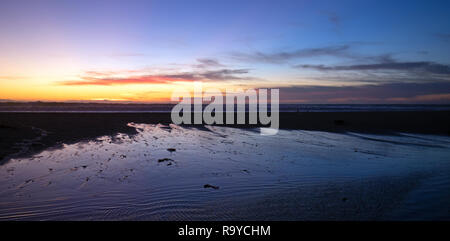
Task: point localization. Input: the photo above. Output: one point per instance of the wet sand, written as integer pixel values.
(24, 133)
(137, 166)
(220, 173)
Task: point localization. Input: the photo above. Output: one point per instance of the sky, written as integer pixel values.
(314, 51)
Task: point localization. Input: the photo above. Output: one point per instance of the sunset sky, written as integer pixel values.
(314, 51)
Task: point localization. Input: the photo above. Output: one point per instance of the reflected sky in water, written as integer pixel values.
(293, 175)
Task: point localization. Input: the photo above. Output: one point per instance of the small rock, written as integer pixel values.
(210, 186)
(171, 149)
(165, 160)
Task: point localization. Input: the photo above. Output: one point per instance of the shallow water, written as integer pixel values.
(294, 175)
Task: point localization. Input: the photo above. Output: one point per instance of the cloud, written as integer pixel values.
(108, 78)
(224, 74)
(383, 58)
(205, 63)
(423, 98)
(420, 67)
(283, 56)
(343, 51)
(438, 92)
(146, 79)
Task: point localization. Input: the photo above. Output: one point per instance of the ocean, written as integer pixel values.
(165, 108)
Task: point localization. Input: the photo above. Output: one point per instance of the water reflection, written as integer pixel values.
(161, 174)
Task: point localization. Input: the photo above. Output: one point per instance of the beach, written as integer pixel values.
(49, 129)
(139, 166)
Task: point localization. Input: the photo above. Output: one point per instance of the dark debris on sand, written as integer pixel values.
(168, 160)
(210, 186)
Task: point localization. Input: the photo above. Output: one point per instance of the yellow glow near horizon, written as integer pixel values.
(48, 89)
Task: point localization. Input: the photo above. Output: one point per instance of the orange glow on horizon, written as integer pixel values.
(130, 90)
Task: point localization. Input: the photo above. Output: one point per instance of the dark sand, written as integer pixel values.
(26, 133)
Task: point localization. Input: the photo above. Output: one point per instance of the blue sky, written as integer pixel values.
(294, 45)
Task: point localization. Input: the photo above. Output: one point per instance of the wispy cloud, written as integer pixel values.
(283, 56)
(438, 92)
(109, 78)
(445, 98)
(146, 79)
(208, 62)
(420, 67)
(225, 74)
